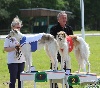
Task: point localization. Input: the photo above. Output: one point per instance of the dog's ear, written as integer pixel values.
(65, 34)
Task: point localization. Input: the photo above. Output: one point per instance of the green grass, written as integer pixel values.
(79, 32)
(42, 62)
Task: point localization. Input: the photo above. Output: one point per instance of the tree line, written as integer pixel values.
(10, 8)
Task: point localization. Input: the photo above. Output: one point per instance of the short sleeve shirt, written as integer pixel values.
(11, 56)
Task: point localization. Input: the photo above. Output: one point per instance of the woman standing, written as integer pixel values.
(15, 64)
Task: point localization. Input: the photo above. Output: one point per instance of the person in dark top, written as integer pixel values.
(61, 26)
(57, 28)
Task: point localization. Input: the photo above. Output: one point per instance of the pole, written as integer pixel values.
(82, 18)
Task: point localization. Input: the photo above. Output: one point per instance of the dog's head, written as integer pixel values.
(15, 33)
(61, 36)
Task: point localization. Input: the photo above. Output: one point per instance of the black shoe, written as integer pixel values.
(70, 86)
(56, 85)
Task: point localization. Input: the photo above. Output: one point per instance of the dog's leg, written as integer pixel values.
(51, 60)
(54, 64)
(68, 62)
(56, 61)
(28, 62)
(79, 57)
(85, 61)
(62, 59)
(29, 57)
(65, 61)
(80, 62)
(88, 66)
(79, 69)
(83, 65)
(84, 69)
(52, 53)
(26, 49)
(62, 63)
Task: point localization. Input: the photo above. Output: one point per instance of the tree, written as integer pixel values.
(92, 14)
(75, 20)
(10, 8)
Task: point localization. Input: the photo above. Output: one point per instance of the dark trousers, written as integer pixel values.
(15, 69)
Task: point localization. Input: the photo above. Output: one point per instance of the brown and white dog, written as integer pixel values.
(81, 50)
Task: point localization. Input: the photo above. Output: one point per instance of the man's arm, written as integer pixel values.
(69, 30)
(52, 31)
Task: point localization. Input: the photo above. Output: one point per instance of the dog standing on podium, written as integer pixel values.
(81, 50)
(29, 44)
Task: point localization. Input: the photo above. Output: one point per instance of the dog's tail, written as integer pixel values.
(84, 46)
(80, 39)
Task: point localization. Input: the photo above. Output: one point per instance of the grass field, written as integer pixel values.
(42, 62)
(86, 32)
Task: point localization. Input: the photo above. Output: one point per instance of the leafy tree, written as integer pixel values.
(10, 8)
(92, 14)
(75, 20)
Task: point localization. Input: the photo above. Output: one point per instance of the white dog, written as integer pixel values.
(63, 50)
(81, 50)
(35, 42)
